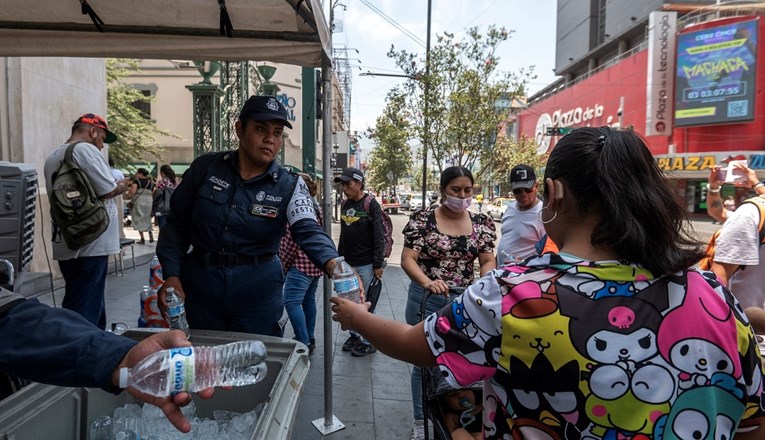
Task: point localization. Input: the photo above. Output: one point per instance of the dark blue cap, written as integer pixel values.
(264, 108)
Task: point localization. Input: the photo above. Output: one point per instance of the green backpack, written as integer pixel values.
(79, 216)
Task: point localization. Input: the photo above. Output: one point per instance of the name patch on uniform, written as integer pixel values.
(264, 210)
(219, 182)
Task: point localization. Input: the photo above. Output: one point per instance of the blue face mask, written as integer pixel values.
(456, 204)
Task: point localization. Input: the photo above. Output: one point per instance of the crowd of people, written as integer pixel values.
(590, 319)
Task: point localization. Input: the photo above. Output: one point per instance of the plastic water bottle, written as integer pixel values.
(345, 281)
(145, 297)
(167, 372)
(176, 311)
(155, 274)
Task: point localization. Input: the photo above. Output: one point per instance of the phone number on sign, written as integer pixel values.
(729, 90)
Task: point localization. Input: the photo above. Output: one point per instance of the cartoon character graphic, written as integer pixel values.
(617, 330)
(554, 401)
(629, 391)
(691, 419)
(695, 337)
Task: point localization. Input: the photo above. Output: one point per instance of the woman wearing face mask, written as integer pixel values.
(440, 249)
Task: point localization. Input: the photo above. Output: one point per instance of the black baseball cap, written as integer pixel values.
(522, 176)
(349, 174)
(264, 108)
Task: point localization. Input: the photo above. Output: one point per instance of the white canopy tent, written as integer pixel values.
(279, 31)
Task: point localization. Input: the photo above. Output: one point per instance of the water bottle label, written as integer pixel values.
(175, 310)
(182, 369)
(346, 285)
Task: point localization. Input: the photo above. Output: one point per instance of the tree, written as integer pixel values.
(509, 153)
(392, 158)
(467, 99)
(135, 129)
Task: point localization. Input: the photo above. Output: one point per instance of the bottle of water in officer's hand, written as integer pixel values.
(192, 369)
(176, 312)
(346, 282)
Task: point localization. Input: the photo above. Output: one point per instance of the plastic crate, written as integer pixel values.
(47, 412)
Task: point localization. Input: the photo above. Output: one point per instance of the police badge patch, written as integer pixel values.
(273, 104)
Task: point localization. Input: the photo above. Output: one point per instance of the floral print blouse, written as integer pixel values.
(448, 257)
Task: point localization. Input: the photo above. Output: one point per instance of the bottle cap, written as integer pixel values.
(123, 377)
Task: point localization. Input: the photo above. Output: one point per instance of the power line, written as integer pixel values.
(480, 13)
(393, 22)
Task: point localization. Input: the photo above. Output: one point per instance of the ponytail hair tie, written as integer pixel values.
(602, 139)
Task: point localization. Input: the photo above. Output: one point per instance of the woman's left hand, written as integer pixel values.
(346, 312)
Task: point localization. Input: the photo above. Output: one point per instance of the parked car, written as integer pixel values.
(405, 201)
(415, 203)
(497, 207)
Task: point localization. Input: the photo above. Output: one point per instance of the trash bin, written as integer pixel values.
(44, 411)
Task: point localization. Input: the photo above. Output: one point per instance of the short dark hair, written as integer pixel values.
(612, 173)
(451, 173)
(143, 171)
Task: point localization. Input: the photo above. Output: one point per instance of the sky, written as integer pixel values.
(360, 27)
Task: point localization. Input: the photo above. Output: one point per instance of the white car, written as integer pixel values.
(497, 207)
(415, 203)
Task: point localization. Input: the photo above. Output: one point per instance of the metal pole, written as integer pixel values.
(426, 138)
(329, 423)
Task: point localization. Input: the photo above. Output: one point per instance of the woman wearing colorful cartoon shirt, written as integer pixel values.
(614, 336)
(441, 246)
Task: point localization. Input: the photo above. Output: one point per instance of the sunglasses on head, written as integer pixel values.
(522, 190)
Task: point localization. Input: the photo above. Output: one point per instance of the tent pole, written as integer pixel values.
(329, 423)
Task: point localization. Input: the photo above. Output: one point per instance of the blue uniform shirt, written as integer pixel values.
(58, 346)
(215, 210)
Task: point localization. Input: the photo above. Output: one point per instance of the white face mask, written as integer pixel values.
(456, 204)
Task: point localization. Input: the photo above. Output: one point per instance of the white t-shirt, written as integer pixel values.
(89, 159)
(521, 230)
(739, 243)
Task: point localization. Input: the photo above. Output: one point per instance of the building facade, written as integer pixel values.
(711, 105)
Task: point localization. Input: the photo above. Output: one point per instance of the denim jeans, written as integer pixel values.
(367, 273)
(85, 279)
(300, 302)
(413, 304)
(247, 299)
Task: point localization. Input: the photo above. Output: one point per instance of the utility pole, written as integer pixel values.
(426, 138)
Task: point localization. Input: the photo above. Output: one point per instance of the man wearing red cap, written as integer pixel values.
(84, 269)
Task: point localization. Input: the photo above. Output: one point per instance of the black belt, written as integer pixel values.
(227, 259)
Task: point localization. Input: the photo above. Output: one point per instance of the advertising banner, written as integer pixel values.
(660, 81)
(716, 75)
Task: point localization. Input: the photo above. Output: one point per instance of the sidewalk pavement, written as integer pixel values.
(371, 394)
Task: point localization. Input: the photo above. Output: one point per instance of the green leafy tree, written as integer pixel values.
(135, 129)
(391, 160)
(468, 96)
(509, 153)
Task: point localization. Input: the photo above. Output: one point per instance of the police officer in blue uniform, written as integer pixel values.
(60, 347)
(233, 208)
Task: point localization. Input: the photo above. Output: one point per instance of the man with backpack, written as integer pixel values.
(362, 241)
(81, 190)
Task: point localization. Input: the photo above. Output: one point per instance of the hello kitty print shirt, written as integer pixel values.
(573, 349)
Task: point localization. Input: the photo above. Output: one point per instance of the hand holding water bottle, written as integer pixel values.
(171, 406)
(175, 283)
